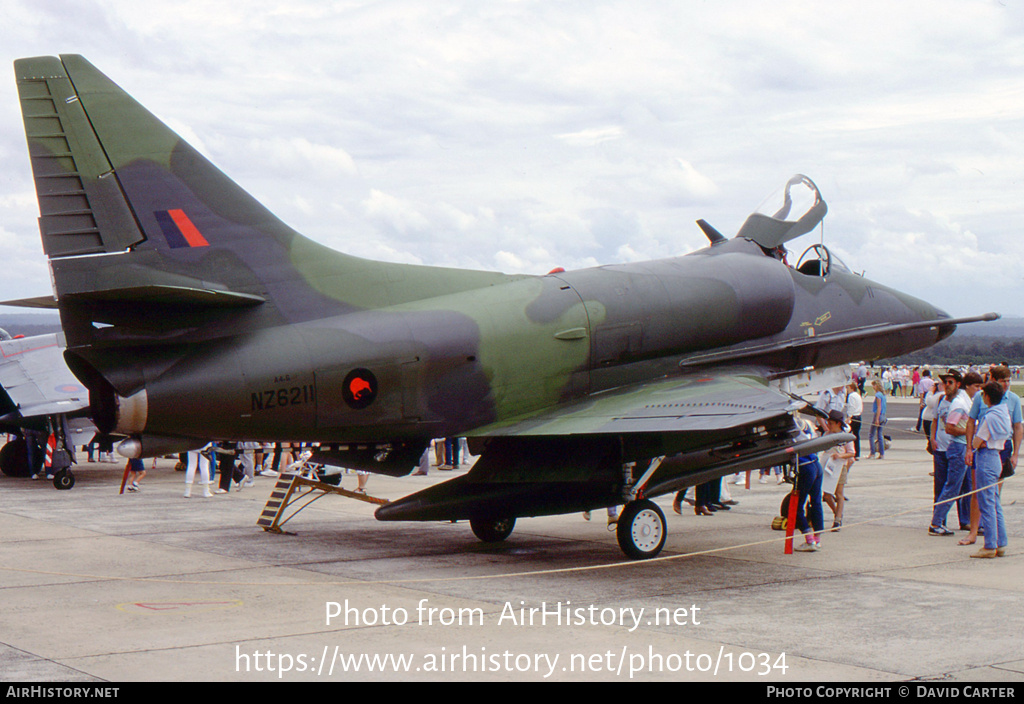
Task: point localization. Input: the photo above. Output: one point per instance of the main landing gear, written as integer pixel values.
(641, 529)
(14, 455)
(64, 479)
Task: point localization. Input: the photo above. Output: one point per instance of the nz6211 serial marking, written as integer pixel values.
(280, 398)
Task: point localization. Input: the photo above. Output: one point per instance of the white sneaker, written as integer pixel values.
(807, 547)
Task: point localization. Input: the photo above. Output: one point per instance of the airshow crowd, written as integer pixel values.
(972, 421)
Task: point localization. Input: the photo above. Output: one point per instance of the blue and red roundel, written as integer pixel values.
(178, 229)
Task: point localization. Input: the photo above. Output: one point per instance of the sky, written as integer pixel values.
(524, 135)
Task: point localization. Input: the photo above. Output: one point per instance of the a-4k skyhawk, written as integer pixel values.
(192, 313)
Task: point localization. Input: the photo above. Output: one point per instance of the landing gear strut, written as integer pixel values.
(641, 529)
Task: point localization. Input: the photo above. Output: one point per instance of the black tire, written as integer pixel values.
(63, 480)
(492, 530)
(14, 459)
(641, 529)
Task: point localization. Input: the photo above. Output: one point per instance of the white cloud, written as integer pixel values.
(394, 213)
(297, 156)
(592, 136)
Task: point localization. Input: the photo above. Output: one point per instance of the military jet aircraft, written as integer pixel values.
(39, 393)
(191, 312)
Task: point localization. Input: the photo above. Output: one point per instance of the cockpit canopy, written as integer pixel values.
(818, 260)
(794, 210)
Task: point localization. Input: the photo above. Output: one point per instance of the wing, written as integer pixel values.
(36, 380)
(665, 434)
(721, 399)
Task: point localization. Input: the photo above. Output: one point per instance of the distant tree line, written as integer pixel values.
(967, 350)
(32, 331)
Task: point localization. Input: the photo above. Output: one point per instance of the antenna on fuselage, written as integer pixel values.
(713, 235)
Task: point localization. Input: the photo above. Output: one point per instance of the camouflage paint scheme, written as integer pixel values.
(193, 313)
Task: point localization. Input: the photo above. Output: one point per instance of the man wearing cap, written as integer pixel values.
(949, 445)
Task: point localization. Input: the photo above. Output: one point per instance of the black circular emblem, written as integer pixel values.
(360, 388)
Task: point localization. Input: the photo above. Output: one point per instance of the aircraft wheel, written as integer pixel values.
(641, 529)
(492, 530)
(64, 479)
(14, 459)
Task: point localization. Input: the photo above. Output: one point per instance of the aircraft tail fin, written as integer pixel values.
(113, 179)
(146, 237)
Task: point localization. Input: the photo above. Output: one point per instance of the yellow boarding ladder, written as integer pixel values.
(288, 494)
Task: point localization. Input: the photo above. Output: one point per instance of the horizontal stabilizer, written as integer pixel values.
(48, 302)
(171, 295)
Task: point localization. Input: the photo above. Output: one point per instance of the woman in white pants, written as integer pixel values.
(196, 459)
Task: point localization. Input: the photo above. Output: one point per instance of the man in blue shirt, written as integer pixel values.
(1011, 450)
(949, 444)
